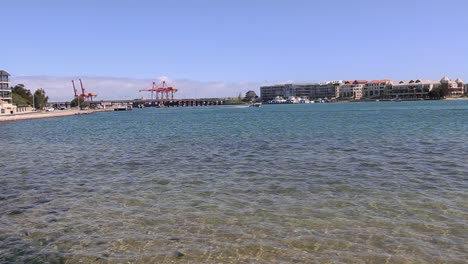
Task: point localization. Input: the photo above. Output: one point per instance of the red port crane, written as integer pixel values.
(162, 92)
(152, 90)
(74, 89)
(83, 94)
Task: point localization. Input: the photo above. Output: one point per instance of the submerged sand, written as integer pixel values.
(43, 114)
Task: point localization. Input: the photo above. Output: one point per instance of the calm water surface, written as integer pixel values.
(320, 183)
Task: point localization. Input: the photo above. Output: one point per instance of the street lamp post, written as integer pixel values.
(32, 99)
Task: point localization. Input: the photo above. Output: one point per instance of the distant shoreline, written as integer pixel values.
(42, 114)
(61, 113)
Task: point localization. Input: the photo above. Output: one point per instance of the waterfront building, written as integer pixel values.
(302, 90)
(377, 89)
(6, 99)
(268, 93)
(351, 90)
(306, 90)
(345, 91)
(413, 89)
(360, 89)
(455, 88)
(328, 89)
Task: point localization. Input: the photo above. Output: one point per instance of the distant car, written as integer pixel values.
(50, 109)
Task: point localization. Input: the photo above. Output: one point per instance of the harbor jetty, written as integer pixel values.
(140, 103)
(178, 102)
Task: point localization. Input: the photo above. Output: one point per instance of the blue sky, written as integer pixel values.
(234, 42)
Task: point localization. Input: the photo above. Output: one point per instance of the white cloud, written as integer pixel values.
(111, 88)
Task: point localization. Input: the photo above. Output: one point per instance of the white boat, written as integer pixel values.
(123, 107)
(292, 100)
(278, 100)
(255, 105)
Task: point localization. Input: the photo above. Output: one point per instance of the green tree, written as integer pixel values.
(40, 99)
(79, 102)
(444, 91)
(439, 92)
(21, 95)
(250, 96)
(19, 100)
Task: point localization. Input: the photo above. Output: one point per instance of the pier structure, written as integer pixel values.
(178, 102)
(140, 103)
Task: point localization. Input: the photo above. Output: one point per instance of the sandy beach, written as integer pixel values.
(43, 114)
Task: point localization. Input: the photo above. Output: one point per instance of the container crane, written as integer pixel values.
(152, 90)
(74, 89)
(162, 92)
(85, 95)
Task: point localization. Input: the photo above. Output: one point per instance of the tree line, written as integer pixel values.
(23, 97)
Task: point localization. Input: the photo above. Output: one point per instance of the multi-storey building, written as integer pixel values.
(351, 90)
(302, 90)
(359, 89)
(345, 91)
(6, 99)
(268, 93)
(413, 89)
(454, 88)
(377, 89)
(328, 89)
(306, 90)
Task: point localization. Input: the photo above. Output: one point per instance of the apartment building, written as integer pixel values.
(377, 89)
(303, 90)
(6, 99)
(351, 90)
(362, 89)
(327, 89)
(270, 92)
(454, 88)
(413, 89)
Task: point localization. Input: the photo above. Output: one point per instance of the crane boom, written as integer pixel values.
(83, 93)
(74, 88)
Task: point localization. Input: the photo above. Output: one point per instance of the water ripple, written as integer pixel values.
(338, 183)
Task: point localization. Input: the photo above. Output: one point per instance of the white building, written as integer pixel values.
(303, 90)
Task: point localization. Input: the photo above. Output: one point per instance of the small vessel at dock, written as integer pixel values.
(123, 107)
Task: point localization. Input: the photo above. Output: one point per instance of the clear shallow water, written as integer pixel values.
(332, 183)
